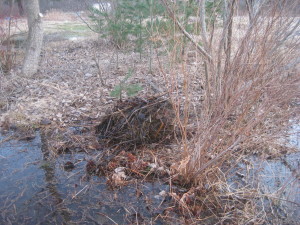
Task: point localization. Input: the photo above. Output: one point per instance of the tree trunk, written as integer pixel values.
(203, 22)
(253, 7)
(35, 37)
(20, 6)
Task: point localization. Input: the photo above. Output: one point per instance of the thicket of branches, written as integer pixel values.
(249, 75)
(251, 90)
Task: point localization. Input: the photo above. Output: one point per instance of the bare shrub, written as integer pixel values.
(7, 51)
(251, 89)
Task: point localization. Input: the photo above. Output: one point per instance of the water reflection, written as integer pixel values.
(51, 182)
(35, 189)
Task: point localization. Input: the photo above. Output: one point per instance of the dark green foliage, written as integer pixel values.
(132, 25)
(130, 89)
(124, 24)
(115, 26)
(214, 9)
(129, 23)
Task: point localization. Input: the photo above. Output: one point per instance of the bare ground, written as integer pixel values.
(68, 85)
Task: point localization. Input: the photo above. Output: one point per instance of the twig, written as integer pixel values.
(153, 86)
(107, 217)
(80, 191)
(96, 60)
(6, 139)
(59, 89)
(87, 23)
(218, 157)
(202, 22)
(200, 49)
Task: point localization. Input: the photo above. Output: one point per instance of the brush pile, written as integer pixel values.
(138, 121)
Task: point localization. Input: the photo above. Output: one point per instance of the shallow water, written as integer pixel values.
(277, 180)
(294, 138)
(36, 190)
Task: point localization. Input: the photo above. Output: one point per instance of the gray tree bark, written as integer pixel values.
(35, 37)
(253, 7)
(203, 22)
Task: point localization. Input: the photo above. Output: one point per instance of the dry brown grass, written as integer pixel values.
(57, 15)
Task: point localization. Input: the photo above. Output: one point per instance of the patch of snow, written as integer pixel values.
(73, 38)
(102, 6)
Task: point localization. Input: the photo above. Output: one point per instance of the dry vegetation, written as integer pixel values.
(236, 94)
(251, 94)
(251, 99)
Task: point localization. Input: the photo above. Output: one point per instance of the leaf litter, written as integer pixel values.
(89, 134)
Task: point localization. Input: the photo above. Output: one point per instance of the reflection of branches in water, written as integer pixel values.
(51, 182)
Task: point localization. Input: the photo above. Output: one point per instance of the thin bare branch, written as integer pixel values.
(202, 15)
(178, 24)
(86, 23)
